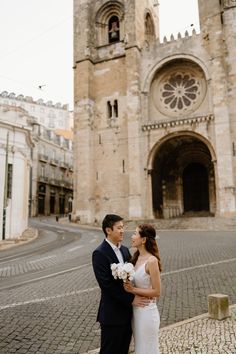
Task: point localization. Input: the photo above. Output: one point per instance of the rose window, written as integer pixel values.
(180, 91)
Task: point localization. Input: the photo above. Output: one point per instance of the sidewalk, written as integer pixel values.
(198, 335)
(28, 235)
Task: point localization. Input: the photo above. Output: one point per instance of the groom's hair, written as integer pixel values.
(109, 221)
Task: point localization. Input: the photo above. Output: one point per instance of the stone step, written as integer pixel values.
(188, 223)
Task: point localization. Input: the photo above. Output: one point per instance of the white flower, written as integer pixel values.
(113, 266)
(122, 271)
(128, 267)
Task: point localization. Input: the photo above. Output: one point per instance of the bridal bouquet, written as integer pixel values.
(122, 271)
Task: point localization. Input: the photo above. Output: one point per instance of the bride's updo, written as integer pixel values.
(148, 231)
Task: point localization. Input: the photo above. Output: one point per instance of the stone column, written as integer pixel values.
(83, 142)
(133, 125)
(226, 205)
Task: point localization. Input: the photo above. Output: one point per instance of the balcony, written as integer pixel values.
(54, 182)
(64, 165)
(54, 162)
(43, 157)
(43, 179)
(69, 184)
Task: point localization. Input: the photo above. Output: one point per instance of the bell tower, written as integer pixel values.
(108, 41)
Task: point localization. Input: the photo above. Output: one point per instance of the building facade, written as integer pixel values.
(16, 145)
(154, 122)
(51, 116)
(52, 172)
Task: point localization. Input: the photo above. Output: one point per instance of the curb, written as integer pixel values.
(28, 235)
(170, 327)
(189, 320)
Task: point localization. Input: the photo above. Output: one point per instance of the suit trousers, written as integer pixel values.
(115, 339)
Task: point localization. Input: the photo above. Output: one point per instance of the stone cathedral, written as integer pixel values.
(155, 121)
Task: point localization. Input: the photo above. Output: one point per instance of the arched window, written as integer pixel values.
(114, 29)
(110, 23)
(149, 26)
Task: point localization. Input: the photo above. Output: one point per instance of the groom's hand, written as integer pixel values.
(140, 301)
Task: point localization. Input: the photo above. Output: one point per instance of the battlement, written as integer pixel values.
(176, 37)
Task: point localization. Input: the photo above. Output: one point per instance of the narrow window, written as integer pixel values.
(99, 139)
(42, 171)
(221, 18)
(109, 109)
(149, 26)
(116, 108)
(9, 181)
(123, 165)
(113, 29)
(233, 148)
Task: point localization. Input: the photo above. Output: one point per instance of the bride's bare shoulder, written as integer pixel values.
(152, 260)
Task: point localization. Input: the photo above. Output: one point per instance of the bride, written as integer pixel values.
(146, 320)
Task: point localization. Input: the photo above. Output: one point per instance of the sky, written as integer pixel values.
(36, 44)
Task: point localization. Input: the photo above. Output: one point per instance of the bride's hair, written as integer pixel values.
(148, 231)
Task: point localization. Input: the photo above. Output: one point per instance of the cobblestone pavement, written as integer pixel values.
(200, 335)
(57, 315)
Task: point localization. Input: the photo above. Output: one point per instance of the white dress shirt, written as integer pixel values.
(117, 251)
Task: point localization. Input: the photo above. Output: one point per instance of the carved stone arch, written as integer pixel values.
(170, 136)
(183, 177)
(112, 11)
(159, 65)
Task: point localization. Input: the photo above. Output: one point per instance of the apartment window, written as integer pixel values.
(53, 173)
(42, 172)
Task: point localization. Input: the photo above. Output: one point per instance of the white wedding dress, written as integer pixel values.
(146, 320)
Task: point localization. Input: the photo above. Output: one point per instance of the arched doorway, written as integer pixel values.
(195, 188)
(183, 179)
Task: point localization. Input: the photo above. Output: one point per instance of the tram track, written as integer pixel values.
(59, 239)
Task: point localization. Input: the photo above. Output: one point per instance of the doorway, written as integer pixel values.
(195, 188)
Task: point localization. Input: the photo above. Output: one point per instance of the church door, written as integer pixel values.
(195, 188)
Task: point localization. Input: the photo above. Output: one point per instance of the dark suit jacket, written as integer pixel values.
(115, 306)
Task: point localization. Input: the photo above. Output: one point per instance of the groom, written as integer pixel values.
(115, 308)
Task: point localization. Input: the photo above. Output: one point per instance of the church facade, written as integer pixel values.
(154, 122)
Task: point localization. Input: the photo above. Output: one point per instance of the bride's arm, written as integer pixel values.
(153, 270)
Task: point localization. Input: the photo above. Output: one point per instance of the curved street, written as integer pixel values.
(49, 296)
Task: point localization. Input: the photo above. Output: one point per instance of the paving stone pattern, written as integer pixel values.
(58, 315)
(201, 336)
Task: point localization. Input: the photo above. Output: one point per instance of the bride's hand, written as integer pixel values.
(128, 286)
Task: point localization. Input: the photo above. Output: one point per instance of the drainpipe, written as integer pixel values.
(31, 183)
(5, 191)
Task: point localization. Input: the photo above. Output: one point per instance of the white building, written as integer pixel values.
(51, 190)
(15, 161)
(51, 116)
